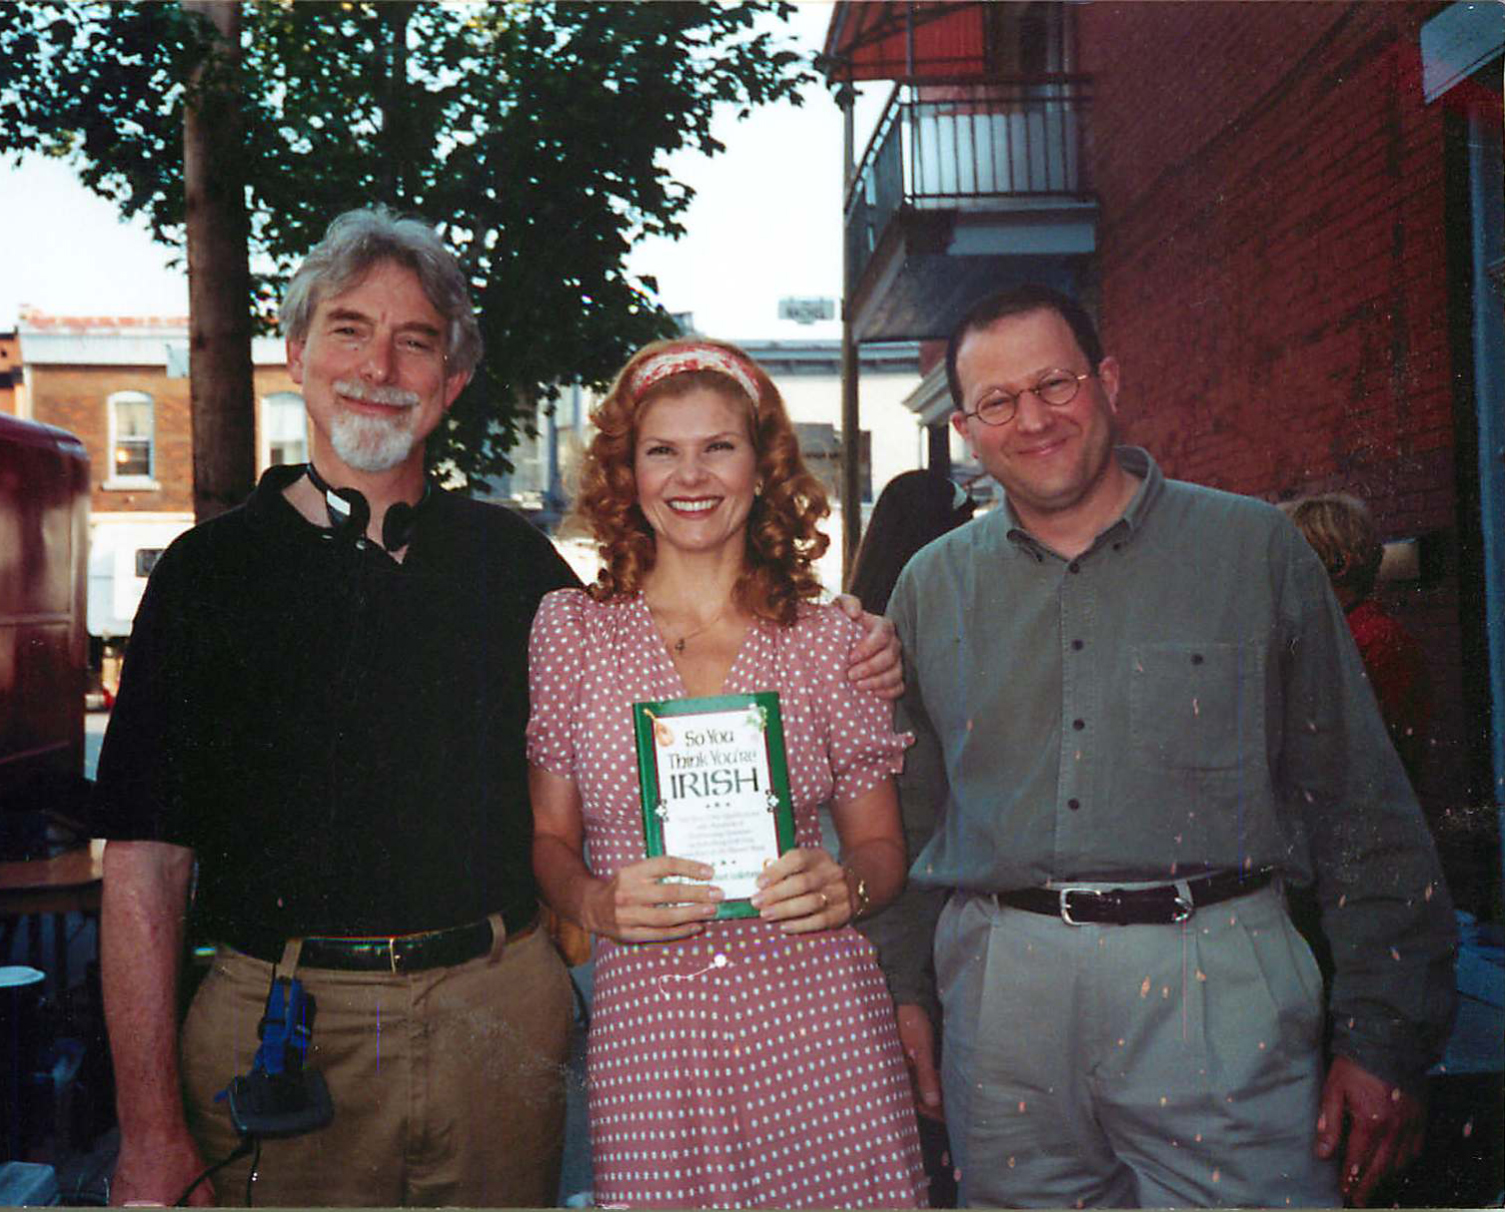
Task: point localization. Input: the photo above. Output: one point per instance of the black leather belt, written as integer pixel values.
(416, 952)
(1161, 905)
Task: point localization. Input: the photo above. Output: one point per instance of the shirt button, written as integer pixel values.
(360, 544)
(1079, 724)
(1074, 567)
(1073, 804)
(1196, 658)
(1076, 645)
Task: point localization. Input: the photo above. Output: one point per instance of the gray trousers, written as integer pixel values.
(1132, 1066)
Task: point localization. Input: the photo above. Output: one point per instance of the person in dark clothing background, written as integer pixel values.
(914, 508)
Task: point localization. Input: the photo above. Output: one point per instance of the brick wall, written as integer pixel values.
(1273, 270)
(10, 372)
(75, 398)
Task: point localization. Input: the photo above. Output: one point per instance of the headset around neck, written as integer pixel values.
(350, 512)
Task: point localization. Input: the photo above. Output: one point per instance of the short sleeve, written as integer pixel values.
(150, 778)
(864, 749)
(555, 671)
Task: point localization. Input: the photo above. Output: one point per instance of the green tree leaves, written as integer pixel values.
(534, 135)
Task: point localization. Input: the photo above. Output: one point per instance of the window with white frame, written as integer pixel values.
(132, 426)
(284, 429)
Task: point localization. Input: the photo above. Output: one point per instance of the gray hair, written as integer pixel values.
(359, 239)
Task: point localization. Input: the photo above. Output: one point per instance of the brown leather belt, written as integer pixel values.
(416, 952)
(1160, 905)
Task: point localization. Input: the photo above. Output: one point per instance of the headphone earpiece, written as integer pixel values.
(350, 513)
(397, 526)
(351, 521)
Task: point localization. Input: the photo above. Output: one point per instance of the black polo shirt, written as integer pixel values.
(337, 736)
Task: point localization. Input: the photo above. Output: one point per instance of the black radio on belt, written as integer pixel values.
(280, 1097)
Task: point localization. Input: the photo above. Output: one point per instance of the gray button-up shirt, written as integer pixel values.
(1183, 697)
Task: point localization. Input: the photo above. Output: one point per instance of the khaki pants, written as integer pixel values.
(448, 1085)
(1132, 1066)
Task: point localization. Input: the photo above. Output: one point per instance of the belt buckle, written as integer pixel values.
(1184, 908)
(1066, 908)
(392, 954)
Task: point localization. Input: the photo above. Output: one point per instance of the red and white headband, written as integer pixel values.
(693, 357)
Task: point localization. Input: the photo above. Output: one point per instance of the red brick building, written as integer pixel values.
(1282, 266)
(10, 371)
(1287, 220)
(120, 384)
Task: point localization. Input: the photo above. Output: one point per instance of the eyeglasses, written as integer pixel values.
(1056, 388)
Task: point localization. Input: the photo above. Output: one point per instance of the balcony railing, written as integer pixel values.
(950, 147)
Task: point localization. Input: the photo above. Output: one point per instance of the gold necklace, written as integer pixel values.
(679, 644)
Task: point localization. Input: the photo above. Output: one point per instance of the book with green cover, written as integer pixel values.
(714, 782)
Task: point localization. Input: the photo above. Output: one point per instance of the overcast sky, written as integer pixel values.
(766, 223)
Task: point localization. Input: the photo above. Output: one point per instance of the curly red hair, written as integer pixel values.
(782, 540)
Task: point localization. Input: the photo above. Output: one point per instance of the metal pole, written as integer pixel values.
(1484, 155)
(553, 501)
(851, 435)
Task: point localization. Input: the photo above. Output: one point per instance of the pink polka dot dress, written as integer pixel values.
(743, 1068)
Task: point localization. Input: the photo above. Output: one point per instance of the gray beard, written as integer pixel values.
(371, 444)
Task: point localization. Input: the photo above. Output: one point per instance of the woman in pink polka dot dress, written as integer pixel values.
(746, 1062)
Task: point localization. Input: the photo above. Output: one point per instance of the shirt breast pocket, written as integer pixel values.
(1196, 706)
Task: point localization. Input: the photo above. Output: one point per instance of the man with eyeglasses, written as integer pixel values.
(1138, 714)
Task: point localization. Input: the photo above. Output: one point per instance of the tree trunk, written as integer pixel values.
(219, 274)
(396, 120)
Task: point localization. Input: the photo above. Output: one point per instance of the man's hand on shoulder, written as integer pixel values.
(1378, 1126)
(876, 664)
(157, 1171)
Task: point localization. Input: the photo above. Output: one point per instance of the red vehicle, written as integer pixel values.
(44, 539)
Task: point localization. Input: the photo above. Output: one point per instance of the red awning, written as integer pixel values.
(878, 40)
